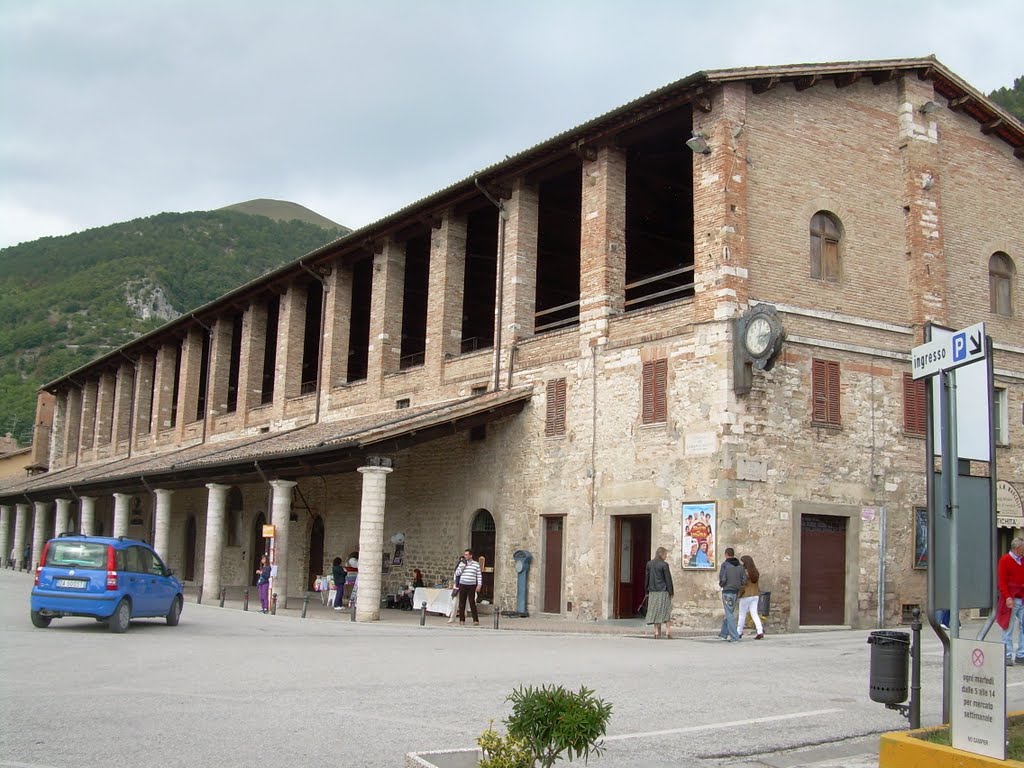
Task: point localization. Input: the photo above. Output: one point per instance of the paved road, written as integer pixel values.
(228, 688)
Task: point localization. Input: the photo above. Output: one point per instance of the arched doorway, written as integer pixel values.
(258, 546)
(316, 551)
(482, 536)
(188, 573)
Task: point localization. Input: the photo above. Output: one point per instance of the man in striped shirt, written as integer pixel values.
(468, 578)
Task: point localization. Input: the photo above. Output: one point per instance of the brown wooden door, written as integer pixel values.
(553, 564)
(822, 570)
(632, 551)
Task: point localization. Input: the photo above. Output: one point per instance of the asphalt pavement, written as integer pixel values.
(234, 688)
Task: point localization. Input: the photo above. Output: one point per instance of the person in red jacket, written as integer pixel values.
(1010, 577)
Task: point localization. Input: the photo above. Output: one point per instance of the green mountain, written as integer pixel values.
(66, 300)
(1011, 99)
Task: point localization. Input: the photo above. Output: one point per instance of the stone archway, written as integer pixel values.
(316, 551)
(258, 545)
(482, 536)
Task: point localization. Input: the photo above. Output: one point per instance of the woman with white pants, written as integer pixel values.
(749, 598)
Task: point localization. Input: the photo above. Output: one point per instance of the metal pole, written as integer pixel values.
(915, 671)
(273, 604)
(199, 595)
(423, 614)
(305, 605)
(352, 605)
(497, 613)
(954, 512)
(223, 594)
(245, 601)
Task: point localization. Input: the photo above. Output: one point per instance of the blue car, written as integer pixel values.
(111, 580)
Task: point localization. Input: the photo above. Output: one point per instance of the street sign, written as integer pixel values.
(962, 348)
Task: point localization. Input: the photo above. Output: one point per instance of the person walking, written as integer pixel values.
(263, 584)
(659, 594)
(338, 577)
(731, 578)
(469, 579)
(1010, 578)
(749, 598)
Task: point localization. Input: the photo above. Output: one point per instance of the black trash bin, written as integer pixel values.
(764, 603)
(890, 657)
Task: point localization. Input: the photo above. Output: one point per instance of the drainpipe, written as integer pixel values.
(320, 341)
(498, 319)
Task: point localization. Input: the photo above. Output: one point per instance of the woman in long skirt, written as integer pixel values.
(659, 594)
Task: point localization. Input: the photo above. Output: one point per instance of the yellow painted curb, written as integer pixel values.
(900, 749)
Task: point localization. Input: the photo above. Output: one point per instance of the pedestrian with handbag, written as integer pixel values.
(659, 594)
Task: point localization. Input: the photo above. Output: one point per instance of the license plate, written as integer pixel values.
(71, 583)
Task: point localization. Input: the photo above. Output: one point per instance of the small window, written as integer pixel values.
(825, 393)
(915, 406)
(1000, 282)
(655, 391)
(1000, 417)
(555, 420)
(403, 403)
(825, 236)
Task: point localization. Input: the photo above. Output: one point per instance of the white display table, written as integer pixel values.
(437, 600)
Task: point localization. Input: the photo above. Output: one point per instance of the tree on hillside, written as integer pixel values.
(1011, 99)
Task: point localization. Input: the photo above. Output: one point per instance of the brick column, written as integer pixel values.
(39, 538)
(216, 503)
(250, 367)
(88, 513)
(163, 389)
(220, 366)
(371, 541)
(57, 436)
(122, 502)
(162, 522)
(6, 516)
(124, 392)
(145, 374)
(281, 513)
(337, 324)
(73, 428)
(188, 381)
(386, 314)
(87, 439)
(62, 519)
(445, 293)
(291, 330)
(925, 246)
(602, 244)
(520, 295)
(720, 205)
(105, 409)
(21, 512)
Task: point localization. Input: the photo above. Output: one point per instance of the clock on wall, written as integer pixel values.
(761, 335)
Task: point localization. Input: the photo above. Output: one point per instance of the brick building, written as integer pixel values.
(547, 357)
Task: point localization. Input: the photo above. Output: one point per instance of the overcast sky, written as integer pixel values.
(112, 110)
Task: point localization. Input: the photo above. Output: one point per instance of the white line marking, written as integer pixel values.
(715, 726)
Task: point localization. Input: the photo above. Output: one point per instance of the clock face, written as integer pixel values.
(758, 336)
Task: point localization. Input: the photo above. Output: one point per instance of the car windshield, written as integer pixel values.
(77, 554)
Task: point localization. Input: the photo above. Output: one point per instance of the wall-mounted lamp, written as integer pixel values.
(928, 107)
(698, 143)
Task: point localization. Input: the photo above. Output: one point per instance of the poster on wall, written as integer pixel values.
(699, 535)
(920, 537)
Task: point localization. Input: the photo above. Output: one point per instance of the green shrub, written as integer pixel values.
(547, 723)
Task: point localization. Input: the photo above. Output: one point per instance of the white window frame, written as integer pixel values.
(1000, 416)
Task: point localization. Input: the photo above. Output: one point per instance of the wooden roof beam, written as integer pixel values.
(763, 86)
(959, 103)
(803, 83)
(846, 80)
(992, 125)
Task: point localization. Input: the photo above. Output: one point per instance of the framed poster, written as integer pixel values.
(920, 537)
(699, 520)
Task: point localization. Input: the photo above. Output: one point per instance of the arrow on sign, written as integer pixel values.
(976, 342)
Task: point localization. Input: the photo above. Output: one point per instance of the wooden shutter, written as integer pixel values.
(825, 392)
(830, 260)
(655, 391)
(555, 419)
(915, 405)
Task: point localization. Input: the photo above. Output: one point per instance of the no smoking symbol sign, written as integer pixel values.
(977, 657)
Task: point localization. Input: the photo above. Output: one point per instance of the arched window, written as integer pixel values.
(826, 232)
(1000, 284)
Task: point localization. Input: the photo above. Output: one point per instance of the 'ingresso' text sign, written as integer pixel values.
(963, 347)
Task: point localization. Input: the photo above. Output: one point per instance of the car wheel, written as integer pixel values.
(40, 621)
(121, 617)
(174, 613)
